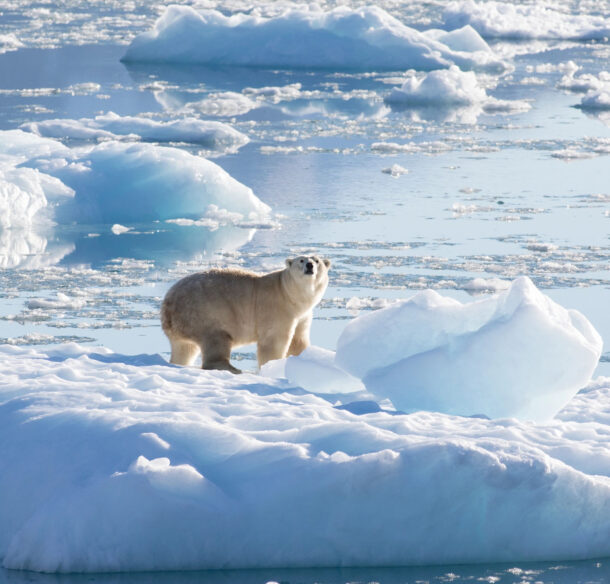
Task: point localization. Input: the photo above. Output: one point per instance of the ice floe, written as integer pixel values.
(494, 19)
(113, 182)
(244, 471)
(110, 126)
(450, 87)
(515, 354)
(343, 37)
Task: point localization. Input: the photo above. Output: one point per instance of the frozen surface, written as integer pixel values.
(517, 354)
(525, 21)
(449, 87)
(114, 182)
(109, 126)
(314, 370)
(98, 448)
(343, 37)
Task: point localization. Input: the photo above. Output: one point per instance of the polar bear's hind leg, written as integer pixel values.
(183, 351)
(216, 349)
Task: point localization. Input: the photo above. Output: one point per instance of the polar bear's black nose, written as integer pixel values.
(309, 268)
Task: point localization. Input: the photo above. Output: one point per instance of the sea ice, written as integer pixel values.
(517, 354)
(110, 126)
(361, 38)
(121, 463)
(494, 19)
(450, 88)
(113, 182)
(314, 370)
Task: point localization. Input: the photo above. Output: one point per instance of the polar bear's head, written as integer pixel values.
(308, 276)
(309, 267)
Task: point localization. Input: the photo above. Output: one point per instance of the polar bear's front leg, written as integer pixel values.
(300, 339)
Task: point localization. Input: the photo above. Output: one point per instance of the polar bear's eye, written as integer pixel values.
(315, 260)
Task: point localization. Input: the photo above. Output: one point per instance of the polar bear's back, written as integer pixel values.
(218, 298)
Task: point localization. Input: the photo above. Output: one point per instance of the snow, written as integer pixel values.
(113, 182)
(342, 37)
(120, 463)
(110, 126)
(494, 19)
(517, 354)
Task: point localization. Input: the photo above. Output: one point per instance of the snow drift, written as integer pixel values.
(117, 463)
(112, 182)
(362, 38)
(517, 354)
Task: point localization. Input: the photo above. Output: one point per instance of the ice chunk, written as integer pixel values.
(366, 37)
(516, 354)
(210, 134)
(525, 21)
(314, 370)
(597, 99)
(450, 88)
(465, 39)
(141, 182)
(113, 182)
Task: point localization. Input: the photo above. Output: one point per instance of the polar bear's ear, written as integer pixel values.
(288, 262)
(327, 263)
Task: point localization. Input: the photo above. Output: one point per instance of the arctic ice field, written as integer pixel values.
(451, 420)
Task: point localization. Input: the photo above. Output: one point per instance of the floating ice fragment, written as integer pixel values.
(361, 38)
(494, 19)
(516, 354)
(450, 88)
(395, 170)
(211, 134)
(118, 229)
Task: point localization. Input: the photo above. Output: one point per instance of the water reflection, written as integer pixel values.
(163, 243)
(590, 571)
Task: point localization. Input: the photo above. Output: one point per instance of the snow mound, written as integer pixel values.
(113, 182)
(515, 354)
(361, 38)
(110, 126)
(121, 463)
(450, 88)
(494, 19)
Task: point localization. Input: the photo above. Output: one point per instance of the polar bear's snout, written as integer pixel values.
(309, 267)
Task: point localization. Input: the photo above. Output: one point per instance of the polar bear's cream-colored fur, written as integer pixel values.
(217, 310)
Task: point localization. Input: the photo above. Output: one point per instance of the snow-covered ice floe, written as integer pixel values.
(118, 463)
(112, 182)
(361, 38)
(494, 19)
(110, 126)
(515, 354)
(450, 88)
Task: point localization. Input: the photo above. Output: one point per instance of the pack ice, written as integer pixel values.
(361, 38)
(116, 463)
(517, 354)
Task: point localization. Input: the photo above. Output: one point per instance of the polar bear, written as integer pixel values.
(217, 310)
